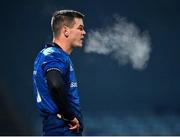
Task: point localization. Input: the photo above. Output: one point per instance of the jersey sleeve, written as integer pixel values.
(55, 61)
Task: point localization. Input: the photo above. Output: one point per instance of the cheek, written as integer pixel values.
(72, 36)
(75, 36)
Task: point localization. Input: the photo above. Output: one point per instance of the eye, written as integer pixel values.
(81, 28)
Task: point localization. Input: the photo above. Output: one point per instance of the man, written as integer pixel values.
(54, 80)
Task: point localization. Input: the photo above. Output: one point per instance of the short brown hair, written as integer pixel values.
(63, 17)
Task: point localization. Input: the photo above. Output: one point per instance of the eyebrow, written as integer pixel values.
(81, 26)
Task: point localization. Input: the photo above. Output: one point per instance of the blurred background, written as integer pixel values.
(116, 99)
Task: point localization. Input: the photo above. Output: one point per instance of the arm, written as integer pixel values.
(56, 86)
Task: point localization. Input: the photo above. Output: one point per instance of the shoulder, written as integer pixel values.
(54, 58)
(50, 51)
(54, 52)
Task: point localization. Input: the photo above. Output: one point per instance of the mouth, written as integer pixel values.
(82, 39)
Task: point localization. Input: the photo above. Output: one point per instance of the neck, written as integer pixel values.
(63, 45)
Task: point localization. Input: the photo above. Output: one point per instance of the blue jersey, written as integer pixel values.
(52, 57)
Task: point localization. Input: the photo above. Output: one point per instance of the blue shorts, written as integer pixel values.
(54, 126)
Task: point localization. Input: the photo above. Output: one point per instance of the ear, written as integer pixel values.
(66, 31)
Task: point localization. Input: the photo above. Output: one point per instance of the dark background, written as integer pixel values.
(116, 100)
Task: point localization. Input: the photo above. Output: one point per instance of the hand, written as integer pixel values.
(74, 124)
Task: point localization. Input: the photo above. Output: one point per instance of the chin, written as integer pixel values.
(78, 46)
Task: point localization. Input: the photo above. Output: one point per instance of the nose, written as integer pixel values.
(84, 32)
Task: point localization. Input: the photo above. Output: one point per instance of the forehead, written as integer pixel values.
(78, 22)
